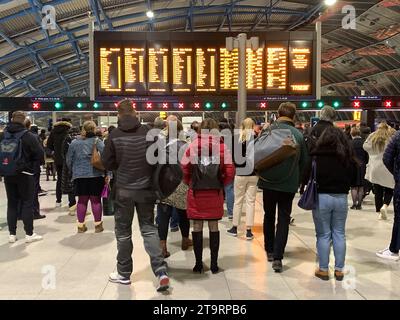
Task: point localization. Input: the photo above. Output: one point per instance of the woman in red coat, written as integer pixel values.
(207, 168)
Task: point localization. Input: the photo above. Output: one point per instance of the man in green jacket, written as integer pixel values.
(280, 183)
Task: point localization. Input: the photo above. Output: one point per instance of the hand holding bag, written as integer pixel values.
(309, 198)
(96, 158)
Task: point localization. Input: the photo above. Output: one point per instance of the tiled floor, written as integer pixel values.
(66, 265)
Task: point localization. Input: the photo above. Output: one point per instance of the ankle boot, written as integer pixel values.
(186, 243)
(214, 248)
(98, 227)
(198, 250)
(165, 252)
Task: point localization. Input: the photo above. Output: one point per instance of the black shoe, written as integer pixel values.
(249, 235)
(359, 207)
(277, 266)
(353, 207)
(198, 268)
(270, 257)
(232, 231)
(198, 251)
(39, 216)
(214, 248)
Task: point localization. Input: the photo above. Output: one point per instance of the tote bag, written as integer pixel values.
(96, 158)
(309, 199)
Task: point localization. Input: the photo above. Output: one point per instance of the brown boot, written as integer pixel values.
(98, 227)
(163, 244)
(82, 228)
(186, 243)
(323, 275)
(339, 275)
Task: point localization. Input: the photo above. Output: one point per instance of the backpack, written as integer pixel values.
(11, 157)
(206, 174)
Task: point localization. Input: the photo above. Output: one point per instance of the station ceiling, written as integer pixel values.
(37, 62)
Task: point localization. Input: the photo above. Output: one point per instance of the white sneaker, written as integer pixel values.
(58, 204)
(115, 277)
(12, 238)
(383, 213)
(387, 254)
(34, 237)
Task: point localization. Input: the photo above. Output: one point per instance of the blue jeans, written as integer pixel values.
(330, 220)
(174, 222)
(230, 198)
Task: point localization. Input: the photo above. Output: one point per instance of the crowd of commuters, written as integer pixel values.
(113, 172)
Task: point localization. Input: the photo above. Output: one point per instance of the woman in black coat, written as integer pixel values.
(357, 190)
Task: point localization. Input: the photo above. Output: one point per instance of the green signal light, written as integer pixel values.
(57, 105)
(208, 105)
(79, 105)
(336, 104)
(224, 105)
(96, 105)
(321, 104)
(304, 104)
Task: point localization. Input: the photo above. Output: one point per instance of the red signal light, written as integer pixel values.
(263, 105)
(180, 105)
(357, 104)
(36, 106)
(165, 105)
(388, 103)
(134, 105)
(116, 104)
(197, 105)
(149, 105)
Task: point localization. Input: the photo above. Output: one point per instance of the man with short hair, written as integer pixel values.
(125, 152)
(279, 184)
(20, 188)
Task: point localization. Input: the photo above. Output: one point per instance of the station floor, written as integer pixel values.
(67, 265)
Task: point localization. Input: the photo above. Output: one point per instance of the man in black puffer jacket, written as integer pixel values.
(58, 138)
(20, 187)
(125, 152)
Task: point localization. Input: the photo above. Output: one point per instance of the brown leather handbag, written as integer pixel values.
(96, 158)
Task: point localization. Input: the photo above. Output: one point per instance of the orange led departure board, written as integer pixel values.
(182, 69)
(158, 61)
(300, 67)
(254, 60)
(206, 72)
(134, 64)
(277, 69)
(110, 70)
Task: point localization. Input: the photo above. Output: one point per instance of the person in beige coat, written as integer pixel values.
(376, 172)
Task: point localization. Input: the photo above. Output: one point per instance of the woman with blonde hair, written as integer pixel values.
(88, 181)
(245, 181)
(376, 172)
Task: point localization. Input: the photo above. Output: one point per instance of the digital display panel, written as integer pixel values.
(158, 65)
(110, 70)
(300, 62)
(254, 60)
(182, 69)
(277, 69)
(134, 65)
(206, 69)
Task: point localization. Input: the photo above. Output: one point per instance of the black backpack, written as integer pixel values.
(11, 156)
(206, 174)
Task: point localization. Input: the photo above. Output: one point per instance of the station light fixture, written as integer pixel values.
(388, 104)
(58, 105)
(320, 104)
(330, 2)
(356, 104)
(305, 104)
(336, 104)
(150, 14)
(36, 105)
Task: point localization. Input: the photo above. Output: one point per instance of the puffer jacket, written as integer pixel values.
(125, 152)
(391, 159)
(207, 204)
(56, 140)
(376, 171)
(79, 157)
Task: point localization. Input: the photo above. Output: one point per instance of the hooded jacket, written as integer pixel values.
(125, 152)
(32, 152)
(57, 139)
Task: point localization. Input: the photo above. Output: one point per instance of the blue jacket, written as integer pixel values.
(79, 156)
(391, 158)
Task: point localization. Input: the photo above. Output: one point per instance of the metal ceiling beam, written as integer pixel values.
(95, 9)
(307, 17)
(267, 13)
(106, 18)
(189, 19)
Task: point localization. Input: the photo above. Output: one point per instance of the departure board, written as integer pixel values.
(158, 64)
(206, 72)
(229, 69)
(134, 64)
(254, 77)
(277, 69)
(300, 58)
(110, 70)
(182, 69)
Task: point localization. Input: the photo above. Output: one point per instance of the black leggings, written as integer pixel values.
(164, 218)
(383, 196)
